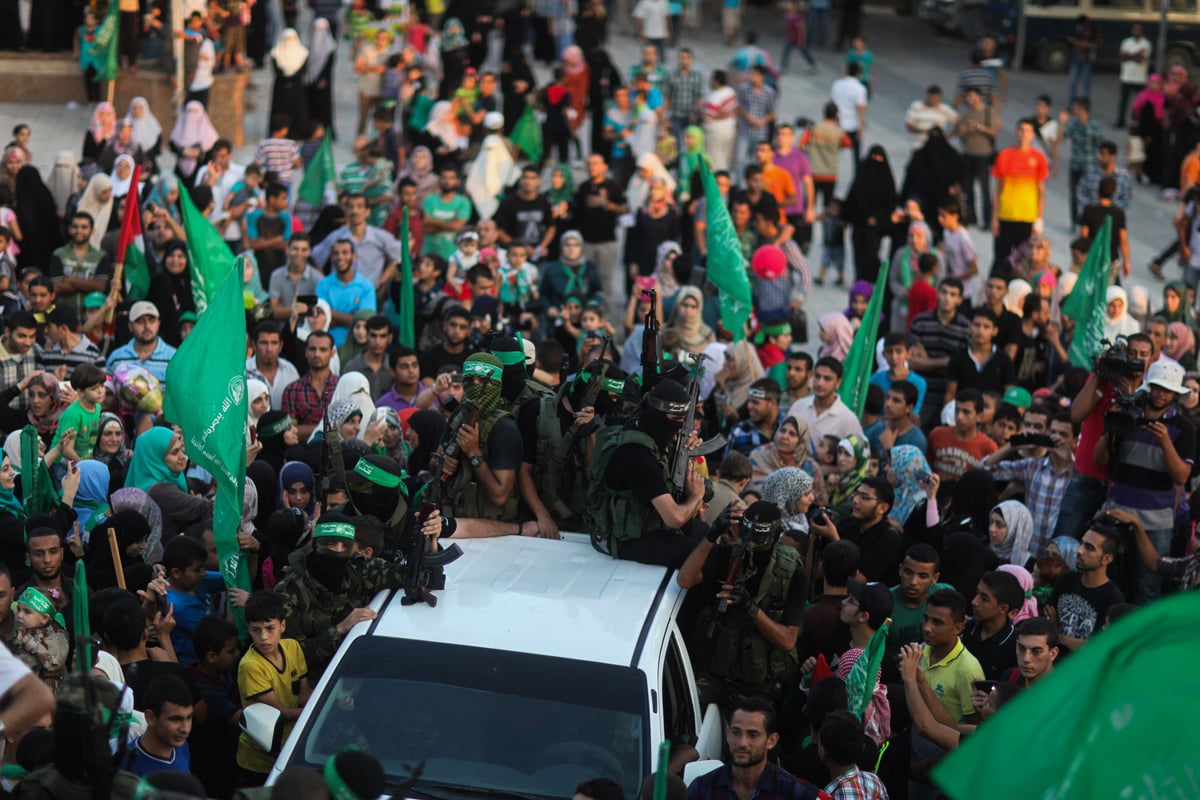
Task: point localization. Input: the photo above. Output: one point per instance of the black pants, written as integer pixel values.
(131, 36)
(91, 85)
(665, 549)
(1128, 90)
(865, 239)
(1074, 176)
(802, 235)
(979, 172)
(1012, 235)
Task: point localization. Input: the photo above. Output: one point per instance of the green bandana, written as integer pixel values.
(487, 370)
(614, 385)
(42, 605)
(508, 357)
(277, 428)
(337, 787)
(377, 475)
(334, 530)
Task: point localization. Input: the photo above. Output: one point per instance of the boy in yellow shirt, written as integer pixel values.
(274, 672)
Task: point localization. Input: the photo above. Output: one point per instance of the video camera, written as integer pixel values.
(1126, 415)
(1115, 363)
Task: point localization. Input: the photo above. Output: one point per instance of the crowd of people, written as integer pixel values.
(994, 501)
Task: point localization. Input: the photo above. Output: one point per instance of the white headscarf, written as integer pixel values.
(64, 179)
(441, 124)
(639, 187)
(1015, 547)
(254, 390)
(492, 171)
(91, 203)
(194, 127)
(1122, 324)
(323, 47)
(146, 129)
(121, 186)
(1014, 299)
(289, 53)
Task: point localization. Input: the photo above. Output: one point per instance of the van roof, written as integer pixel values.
(539, 596)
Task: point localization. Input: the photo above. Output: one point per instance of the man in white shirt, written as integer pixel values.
(931, 112)
(221, 174)
(653, 20)
(823, 410)
(850, 97)
(1135, 69)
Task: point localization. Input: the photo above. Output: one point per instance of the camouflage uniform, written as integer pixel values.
(313, 611)
(43, 650)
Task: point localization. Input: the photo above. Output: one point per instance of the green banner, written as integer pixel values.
(726, 264)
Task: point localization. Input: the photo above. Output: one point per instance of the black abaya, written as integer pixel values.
(605, 79)
(515, 68)
(37, 214)
(320, 100)
(868, 209)
(289, 96)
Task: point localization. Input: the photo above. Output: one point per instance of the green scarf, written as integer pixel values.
(690, 160)
(849, 482)
(149, 465)
(567, 193)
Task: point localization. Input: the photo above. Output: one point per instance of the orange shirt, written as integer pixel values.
(1021, 171)
(1189, 173)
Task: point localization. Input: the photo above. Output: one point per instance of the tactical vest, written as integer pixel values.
(559, 471)
(464, 496)
(737, 652)
(619, 516)
(532, 390)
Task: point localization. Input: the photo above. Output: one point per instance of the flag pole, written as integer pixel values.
(118, 276)
(112, 90)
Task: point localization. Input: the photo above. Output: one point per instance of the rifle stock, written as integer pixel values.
(650, 346)
(679, 461)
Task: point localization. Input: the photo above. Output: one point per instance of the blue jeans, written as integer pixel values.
(1080, 502)
(1081, 73)
(1149, 584)
(818, 26)
(788, 47)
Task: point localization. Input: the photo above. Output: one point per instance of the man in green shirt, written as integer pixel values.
(919, 573)
(78, 268)
(445, 214)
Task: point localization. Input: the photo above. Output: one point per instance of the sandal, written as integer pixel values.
(1157, 270)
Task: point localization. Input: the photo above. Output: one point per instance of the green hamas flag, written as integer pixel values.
(319, 174)
(37, 489)
(81, 620)
(211, 363)
(211, 259)
(1087, 302)
(726, 264)
(527, 135)
(104, 47)
(407, 326)
(1110, 721)
(860, 683)
(860, 361)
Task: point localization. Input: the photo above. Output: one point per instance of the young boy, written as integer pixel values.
(164, 745)
(518, 278)
(922, 295)
(214, 742)
(39, 637)
(896, 350)
(80, 422)
(833, 240)
(274, 672)
(958, 251)
(189, 586)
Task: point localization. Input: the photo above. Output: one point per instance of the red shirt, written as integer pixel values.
(951, 456)
(922, 297)
(1089, 433)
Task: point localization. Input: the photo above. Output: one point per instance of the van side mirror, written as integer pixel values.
(698, 768)
(263, 724)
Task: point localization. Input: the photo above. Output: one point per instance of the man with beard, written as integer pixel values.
(755, 620)
(554, 471)
(480, 482)
(146, 349)
(452, 350)
(634, 511)
(44, 553)
(751, 735)
(327, 592)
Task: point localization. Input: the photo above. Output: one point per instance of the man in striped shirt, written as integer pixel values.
(279, 154)
(839, 743)
(978, 77)
(66, 347)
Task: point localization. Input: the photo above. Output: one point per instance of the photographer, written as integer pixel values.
(1186, 569)
(1088, 488)
(1146, 443)
(869, 528)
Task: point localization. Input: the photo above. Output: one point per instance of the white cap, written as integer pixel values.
(493, 120)
(143, 308)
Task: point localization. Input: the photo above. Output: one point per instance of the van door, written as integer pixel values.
(681, 704)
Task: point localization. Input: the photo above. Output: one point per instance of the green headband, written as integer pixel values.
(377, 475)
(572, 299)
(778, 329)
(278, 427)
(42, 605)
(334, 530)
(338, 789)
(484, 370)
(510, 357)
(615, 385)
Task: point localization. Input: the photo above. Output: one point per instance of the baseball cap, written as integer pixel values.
(873, 598)
(94, 300)
(143, 308)
(1016, 396)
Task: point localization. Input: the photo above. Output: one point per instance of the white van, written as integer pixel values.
(543, 664)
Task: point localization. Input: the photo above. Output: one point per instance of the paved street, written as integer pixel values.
(909, 55)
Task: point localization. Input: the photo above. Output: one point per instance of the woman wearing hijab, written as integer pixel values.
(687, 320)
(493, 170)
(1149, 113)
(720, 121)
(649, 169)
(288, 95)
(1175, 307)
(904, 268)
(120, 145)
(1181, 345)
(122, 177)
(518, 85)
(43, 406)
(689, 164)
(165, 195)
(37, 214)
(147, 131)
(101, 130)
(604, 78)
(297, 487)
(1029, 609)
(277, 432)
(455, 57)
(133, 535)
(837, 334)
(657, 221)
(419, 169)
(906, 467)
(441, 135)
(1182, 100)
(191, 138)
(791, 490)
(318, 76)
(171, 291)
(112, 449)
(1117, 320)
(64, 180)
(854, 459)
(354, 388)
(788, 448)
(91, 499)
(157, 468)
(935, 174)
(868, 209)
(1010, 529)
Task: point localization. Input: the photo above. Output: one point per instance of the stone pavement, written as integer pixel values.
(909, 55)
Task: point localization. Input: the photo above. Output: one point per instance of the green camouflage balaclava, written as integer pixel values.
(487, 395)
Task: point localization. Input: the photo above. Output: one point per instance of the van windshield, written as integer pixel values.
(482, 720)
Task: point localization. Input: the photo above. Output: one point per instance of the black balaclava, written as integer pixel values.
(328, 568)
(512, 357)
(668, 397)
(614, 385)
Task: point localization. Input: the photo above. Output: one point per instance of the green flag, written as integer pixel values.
(318, 175)
(81, 620)
(104, 47)
(1110, 721)
(408, 336)
(206, 397)
(527, 135)
(37, 489)
(211, 259)
(860, 361)
(860, 683)
(1087, 302)
(726, 264)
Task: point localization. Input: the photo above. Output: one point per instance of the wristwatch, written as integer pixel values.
(476, 461)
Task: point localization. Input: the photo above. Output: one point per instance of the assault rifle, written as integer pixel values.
(735, 576)
(650, 346)
(598, 370)
(679, 461)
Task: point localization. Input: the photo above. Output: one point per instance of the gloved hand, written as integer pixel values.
(741, 600)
